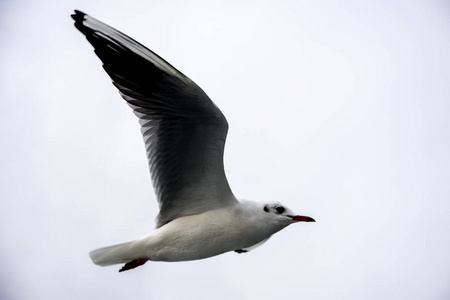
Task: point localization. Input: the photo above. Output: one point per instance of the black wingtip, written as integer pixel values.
(78, 16)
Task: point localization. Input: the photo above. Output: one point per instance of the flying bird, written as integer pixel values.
(184, 134)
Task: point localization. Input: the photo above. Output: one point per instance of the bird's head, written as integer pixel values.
(283, 214)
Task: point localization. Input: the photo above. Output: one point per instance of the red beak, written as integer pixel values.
(302, 219)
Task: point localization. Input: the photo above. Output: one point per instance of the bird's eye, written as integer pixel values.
(280, 209)
(266, 209)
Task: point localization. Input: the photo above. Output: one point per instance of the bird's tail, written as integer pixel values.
(112, 255)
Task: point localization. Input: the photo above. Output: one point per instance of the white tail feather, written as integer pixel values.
(112, 255)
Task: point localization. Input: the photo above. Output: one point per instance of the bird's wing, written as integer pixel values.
(183, 130)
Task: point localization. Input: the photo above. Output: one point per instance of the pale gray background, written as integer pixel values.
(338, 109)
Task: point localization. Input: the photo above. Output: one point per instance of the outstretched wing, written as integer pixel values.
(183, 130)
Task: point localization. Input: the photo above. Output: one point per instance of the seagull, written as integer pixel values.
(184, 134)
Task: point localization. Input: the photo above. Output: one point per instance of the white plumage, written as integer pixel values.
(184, 134)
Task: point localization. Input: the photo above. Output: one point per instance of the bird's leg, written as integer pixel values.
(240, 251)
(133, 264)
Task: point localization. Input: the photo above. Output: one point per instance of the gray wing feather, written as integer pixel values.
(184, 131)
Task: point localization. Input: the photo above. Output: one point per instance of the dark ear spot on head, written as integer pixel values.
(266, 209)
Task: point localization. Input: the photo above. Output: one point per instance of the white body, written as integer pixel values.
(198, 236)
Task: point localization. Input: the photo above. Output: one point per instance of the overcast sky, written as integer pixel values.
(338, 109)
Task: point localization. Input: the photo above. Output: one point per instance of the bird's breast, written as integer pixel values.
(203, 235)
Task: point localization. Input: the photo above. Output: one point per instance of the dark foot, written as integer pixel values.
(133, 264)
(240, 251)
